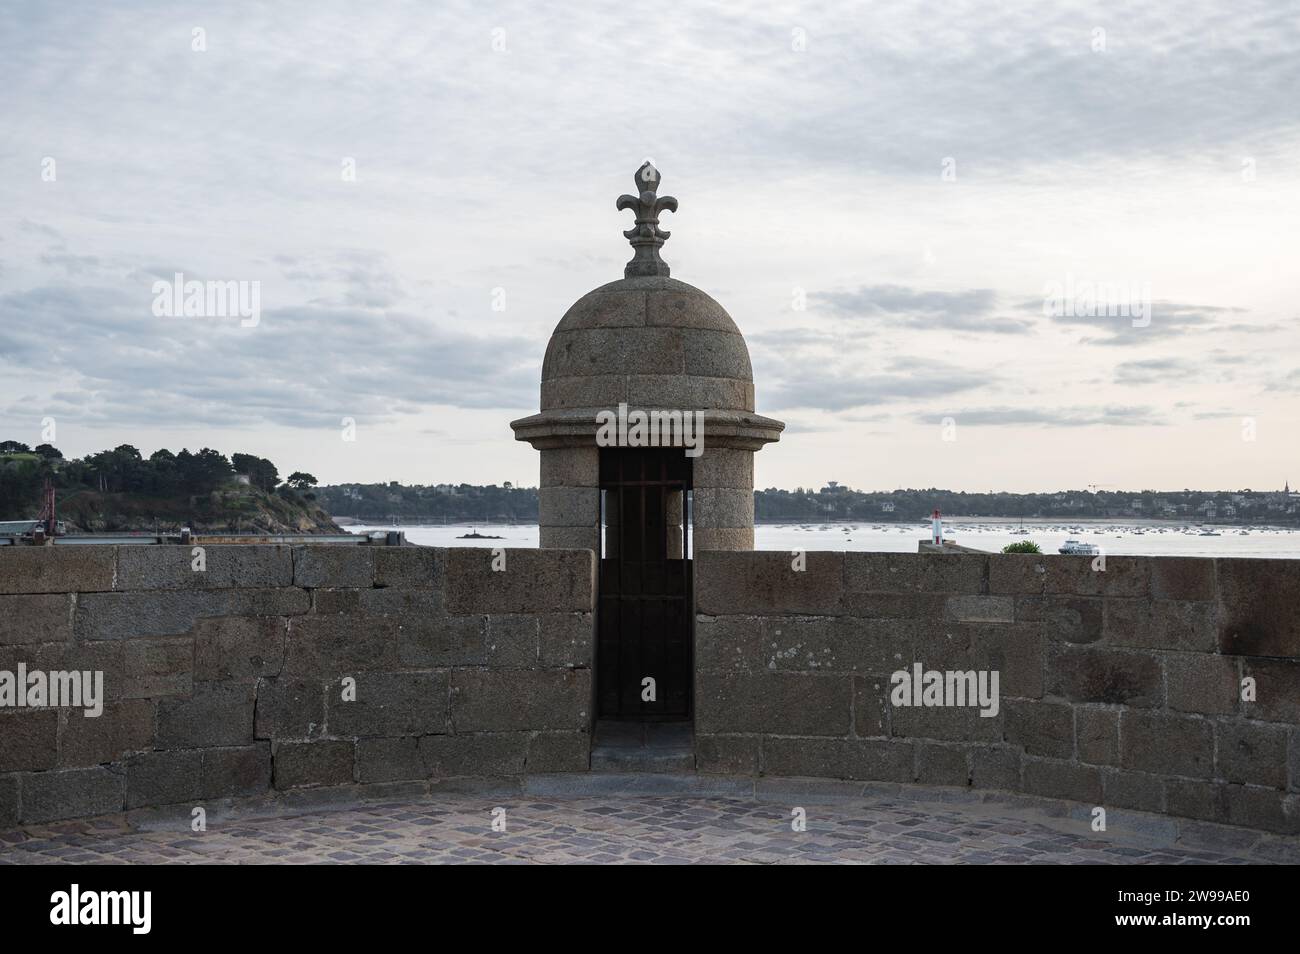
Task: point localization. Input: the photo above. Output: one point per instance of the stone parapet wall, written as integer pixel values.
(1118, 688)
(230, 681)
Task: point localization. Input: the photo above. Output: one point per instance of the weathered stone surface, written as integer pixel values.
(571, 466)
(333, 565)
(981, 609)
(559, 752)
(1098, 675)
(217, 714)
(630, 350)
(303, 764)
(1096, 735)
(512, 641)
(173, 567)
(865, 759)
(495, 701)
(570, 538)
(1164, 744)
(1017, 574)
(290, 709)
(150, 668)
(871, 705)
(327, 647)
(1182, 578)
(9, 815)
(389, 759)
(163, 778)
(380, 601)
(230, 772)
(835, 644)
(70, 793)
(1277, 690)
(1193, 798)
(1088, 576)
(724, 467)
(1071, 619)
(759, 582)
(566, 639)
(909, 607)
(173, 612)
(723, 538)
(1160, 624)
(479, 755)
(1057, 779)
(1261, 808)
(1251, 753)
(1041, 728)
(915, 572)
(28, 739)
(128, 615)
(674, 391)
(568, 506)
(727, 754)
(40, 618)
(1013, 650)
(1201, 682)
(942, 764)
(238, 647)
(1135, 790)
(532, 581)
(950, 724)
(995, 767)
(729, 643)
(390, 704)
(1259, 607)
(430, 642)
(126, 726)
(777, 702)
(85, 569)
(718, 507)
(412, 567)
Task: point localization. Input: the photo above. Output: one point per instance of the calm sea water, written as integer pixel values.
(1131, 538)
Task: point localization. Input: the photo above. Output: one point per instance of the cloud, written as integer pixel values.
(809, 383)
(903, 307)
(301, 366)
(1076, 416)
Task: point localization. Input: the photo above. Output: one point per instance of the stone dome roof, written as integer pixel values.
(649, 342)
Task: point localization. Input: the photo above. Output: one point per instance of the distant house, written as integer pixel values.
(243, 479)
(886, 507)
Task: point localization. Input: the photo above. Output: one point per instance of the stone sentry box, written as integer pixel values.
(652, 343)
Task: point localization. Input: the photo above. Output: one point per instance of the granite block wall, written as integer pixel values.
(230, 680)
(1159, 684)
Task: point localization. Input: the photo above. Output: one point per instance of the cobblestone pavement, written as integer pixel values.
(654, 829)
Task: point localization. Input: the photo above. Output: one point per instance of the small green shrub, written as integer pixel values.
(1022, 546)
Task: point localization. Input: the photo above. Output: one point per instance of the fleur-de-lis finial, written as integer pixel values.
(646, 236)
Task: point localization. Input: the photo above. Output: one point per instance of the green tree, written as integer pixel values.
(1022, 546)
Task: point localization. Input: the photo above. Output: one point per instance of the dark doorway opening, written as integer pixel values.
(644, 616)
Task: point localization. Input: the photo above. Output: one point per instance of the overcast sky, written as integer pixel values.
(882, 195)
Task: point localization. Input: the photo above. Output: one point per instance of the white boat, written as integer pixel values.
(1078, 548)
